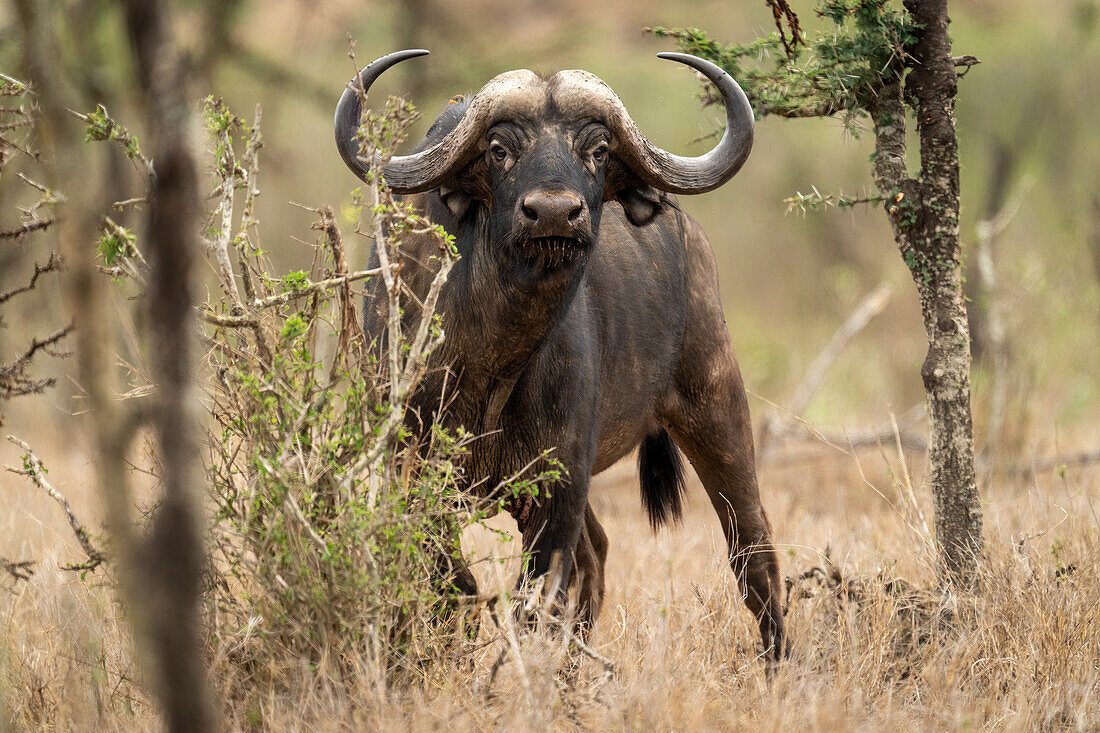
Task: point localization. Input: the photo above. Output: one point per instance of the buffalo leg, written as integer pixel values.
(591, 557)
(550, 539)
(710, 423)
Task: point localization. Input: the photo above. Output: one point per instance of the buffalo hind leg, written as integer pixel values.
(710, 423)
(589, 574)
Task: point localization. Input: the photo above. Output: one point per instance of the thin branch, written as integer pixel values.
(36, 472)
(218, 245)
(130, 202)
(965, 63)
(297, 512)
(52, 265)
(813, 201)
(283, 298)
(351, 331)
(14, 381)
(791, 36)
(25, 229)
(100, 126)
(18, 569)
(1036, 465)
(250, 165)
(873, 304)
(575, 640)
(131, 261)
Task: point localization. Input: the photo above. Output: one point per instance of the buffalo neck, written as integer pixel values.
(495, 325)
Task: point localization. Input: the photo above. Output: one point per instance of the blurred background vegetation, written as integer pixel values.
(1027, 130)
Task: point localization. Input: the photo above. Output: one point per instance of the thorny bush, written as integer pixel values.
(331, 522)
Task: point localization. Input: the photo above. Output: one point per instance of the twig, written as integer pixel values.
(297, 512)
(282, 298)
(868, 308)
(130, 202)
(18, 569)
(20, 86)
(25, 229)
(52, 265)
(250, 164)
(218, 245)
(781, 12)
(576, 641)
(101, 126)
(131, 260)
(36, 472)
(44, 190)
(965, 62)
(14, 381)
(867, 438)
(351, 331)
(811, 201)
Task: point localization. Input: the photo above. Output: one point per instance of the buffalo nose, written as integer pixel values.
(553, 213)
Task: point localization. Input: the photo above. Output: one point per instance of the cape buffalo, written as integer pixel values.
(584, 312)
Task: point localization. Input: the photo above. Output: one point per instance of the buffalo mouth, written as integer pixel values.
(552, 252)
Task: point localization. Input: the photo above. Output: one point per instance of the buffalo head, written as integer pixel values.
(541, 156)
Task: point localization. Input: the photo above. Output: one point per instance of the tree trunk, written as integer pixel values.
(159, 573)
(924, 212)
(172, 555)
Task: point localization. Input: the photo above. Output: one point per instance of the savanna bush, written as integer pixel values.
(335, 530)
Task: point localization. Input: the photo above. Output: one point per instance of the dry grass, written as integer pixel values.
(875, 647)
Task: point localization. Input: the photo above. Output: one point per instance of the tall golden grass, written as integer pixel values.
(876, 643)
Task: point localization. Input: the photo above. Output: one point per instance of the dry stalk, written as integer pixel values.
(911, 495)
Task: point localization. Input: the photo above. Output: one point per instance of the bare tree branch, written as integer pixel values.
(24, 229)
(873, 304)
(53, 265)
(36, 472)
(18, 569)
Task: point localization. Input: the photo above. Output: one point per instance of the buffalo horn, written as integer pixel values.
(666, 171)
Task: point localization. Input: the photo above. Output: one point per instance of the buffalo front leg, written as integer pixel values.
(550, 538)
(710, 423)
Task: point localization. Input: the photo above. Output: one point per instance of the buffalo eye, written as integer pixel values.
(498, 152)
(599, 154)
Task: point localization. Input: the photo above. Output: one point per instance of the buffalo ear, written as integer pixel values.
(457, 202)
(641, 203)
